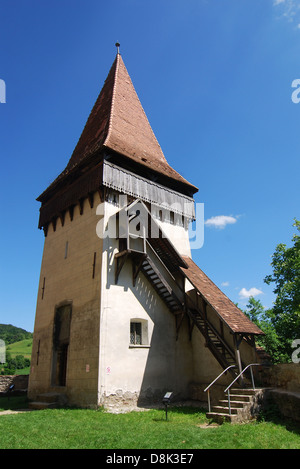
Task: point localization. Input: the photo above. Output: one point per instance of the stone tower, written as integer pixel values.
(122, 310)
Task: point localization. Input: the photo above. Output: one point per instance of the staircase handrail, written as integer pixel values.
(210, 325)
(216, 379)
(242, 372)
(252, 378)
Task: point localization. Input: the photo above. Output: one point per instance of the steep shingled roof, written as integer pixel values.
(118, 122)
(236, 320)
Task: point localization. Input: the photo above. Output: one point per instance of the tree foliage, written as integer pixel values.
(270, 341)
(285, 316)
(11, 334)
(12, 365)
(281, 324)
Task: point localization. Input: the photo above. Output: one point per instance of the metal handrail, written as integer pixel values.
(252, 379)
(207, 388)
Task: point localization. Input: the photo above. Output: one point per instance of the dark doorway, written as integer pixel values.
(61, 339)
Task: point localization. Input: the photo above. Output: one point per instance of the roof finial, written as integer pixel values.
(118, 46)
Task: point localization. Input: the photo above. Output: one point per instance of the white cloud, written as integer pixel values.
(288, 8)
(248, 293)
(220, 221)
(225, 284)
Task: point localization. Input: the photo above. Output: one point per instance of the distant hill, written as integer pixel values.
(11, 334)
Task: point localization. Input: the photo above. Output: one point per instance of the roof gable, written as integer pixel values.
(236, 320)
(118, 122)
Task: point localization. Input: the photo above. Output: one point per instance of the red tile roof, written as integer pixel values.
(129, 130)
(236, 320)
(118, 122)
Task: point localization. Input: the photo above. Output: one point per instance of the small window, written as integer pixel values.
(172, 216)
(139, 333)
(135, 333)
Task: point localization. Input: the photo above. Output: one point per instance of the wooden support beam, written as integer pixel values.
(53, 221)
(62, 217)
(120, 261)
(178, 318)
(237, 341)
(45, 228)
(205, 319)
(191, 327)
(136, 268)
(101, 194)
(91, 199)
(71, 212)
(81, 205)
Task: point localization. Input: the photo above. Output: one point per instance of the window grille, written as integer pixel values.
(135, 333)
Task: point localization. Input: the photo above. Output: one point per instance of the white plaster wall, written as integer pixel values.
(143, 371)
(178, 235)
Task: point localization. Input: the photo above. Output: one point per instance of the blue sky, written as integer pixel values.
(214, 78)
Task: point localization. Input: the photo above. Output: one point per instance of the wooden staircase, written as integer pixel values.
(142, 262)
(214, 341)
(160, 285)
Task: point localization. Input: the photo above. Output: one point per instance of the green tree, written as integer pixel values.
(255, 310)
(263, 319)
(285, 316)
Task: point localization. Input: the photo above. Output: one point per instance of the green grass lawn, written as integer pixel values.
(89, 429)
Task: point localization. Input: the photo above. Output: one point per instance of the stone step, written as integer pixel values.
(48, 397)
(250, 392)
(240, 397)
(39, 405)
(237, 404)
(241, 405)
(219, 417)
(49, 400)
(224, 409)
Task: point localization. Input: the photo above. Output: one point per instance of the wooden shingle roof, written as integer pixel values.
(118, 123)
(235, 319)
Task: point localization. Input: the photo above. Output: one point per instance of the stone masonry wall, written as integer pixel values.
(284, 381)
(285, 376)
(20, 382)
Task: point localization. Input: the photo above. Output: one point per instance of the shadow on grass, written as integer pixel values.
(191, 410)
(174, 412)
(272, 414)
(13, 402)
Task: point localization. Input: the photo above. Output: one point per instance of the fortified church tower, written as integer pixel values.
(123, 313)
